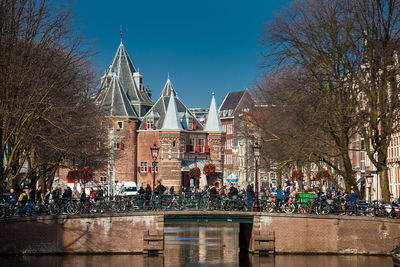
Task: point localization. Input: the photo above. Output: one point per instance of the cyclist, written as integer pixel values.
(21, 203)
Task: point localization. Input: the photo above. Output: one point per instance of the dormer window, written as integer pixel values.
(150, 123)
(190, 123)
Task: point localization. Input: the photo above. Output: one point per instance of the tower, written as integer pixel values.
(123, 98)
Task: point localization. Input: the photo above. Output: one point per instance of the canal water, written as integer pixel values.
(198, 245)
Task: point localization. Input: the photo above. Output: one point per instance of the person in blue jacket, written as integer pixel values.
(279, 197)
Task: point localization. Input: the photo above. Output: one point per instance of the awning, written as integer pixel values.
(232, 178)
(188, 164)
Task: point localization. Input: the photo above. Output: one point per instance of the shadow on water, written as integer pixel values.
(199, 244)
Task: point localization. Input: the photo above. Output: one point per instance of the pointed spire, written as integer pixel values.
(121, 33)
(168, 89)
(123, 67)
(171, 120)
(213, 123)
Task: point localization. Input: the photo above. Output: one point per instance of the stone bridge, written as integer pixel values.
(143, 232)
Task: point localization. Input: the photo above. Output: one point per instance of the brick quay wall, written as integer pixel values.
(72, 234)
(329, 234)
(143, 232)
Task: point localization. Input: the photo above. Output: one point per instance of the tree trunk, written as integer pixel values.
(384, 184)
(279, 178)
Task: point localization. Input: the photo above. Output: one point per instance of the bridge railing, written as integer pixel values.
(199, 201)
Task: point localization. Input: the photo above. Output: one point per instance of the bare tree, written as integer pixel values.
(47, 110)
(376, 43)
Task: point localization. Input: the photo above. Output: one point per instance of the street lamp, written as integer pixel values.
(154, 153)
(256, 150)
(369, 181)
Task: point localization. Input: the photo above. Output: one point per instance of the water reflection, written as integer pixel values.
(201, 243)
(153, 261)
(197, 245)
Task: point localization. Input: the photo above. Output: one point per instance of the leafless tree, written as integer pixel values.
(348, 52)
(47, 112)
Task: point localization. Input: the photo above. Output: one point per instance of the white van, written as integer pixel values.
(129, 189)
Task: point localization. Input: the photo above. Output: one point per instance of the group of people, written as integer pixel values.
(24, 200)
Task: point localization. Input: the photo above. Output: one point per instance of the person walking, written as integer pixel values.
(213, 196)
(158, 192)
(91, 195)
(39, 195)
(353, 202)
(279, 198)
(250, 194)
(48, 196)
(147, 195)
(141, 197)
(67, 196)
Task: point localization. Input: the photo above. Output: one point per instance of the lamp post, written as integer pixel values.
(369, 182)
(256, 150)
(154, 153)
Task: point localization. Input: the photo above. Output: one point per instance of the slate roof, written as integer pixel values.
(134, 94)
(114, 101)
(168, 88)
(232, 100)
(161, 106)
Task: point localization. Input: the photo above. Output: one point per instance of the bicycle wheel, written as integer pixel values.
(325, 209)
(71, 209)
(288, 208)
(91, 208)
(54, 209)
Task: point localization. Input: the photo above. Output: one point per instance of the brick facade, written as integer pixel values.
(173, 150)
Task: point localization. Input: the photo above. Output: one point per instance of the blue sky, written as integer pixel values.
(205, 45)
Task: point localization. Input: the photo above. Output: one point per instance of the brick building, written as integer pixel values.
(236, 145)
(137, 123)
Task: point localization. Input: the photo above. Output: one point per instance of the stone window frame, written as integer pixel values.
(192, 144)
(150, 123)
(117, 144)
(120, 125)
(190, 122)
(201, 144)
(143, 166)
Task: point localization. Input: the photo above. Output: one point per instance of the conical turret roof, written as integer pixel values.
(168, 89)
(213, 123)
(171, 120)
